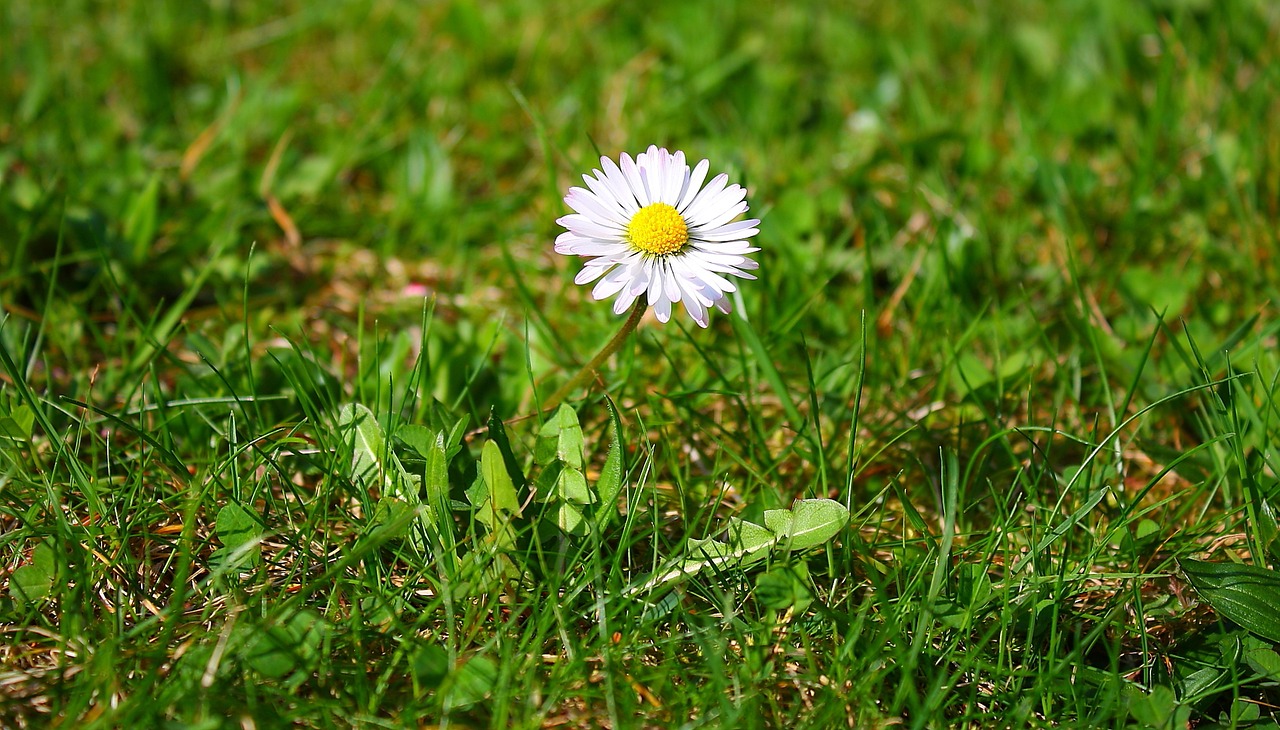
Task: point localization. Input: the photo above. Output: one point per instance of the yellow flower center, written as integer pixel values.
(658, 230)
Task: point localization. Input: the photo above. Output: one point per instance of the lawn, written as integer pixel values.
(290, 433)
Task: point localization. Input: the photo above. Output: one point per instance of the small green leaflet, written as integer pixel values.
(239, 531)
(17, 423)
(560, 439)
(31, 582)
(372, 463)
(609, 485)
(494, 497)
(559, 452)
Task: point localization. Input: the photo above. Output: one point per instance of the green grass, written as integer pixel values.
(1016, 309)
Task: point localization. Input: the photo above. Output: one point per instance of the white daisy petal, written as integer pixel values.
(638, 187)
(606, 196)
(588, 204)
(694, 184)
(657, 177)
(613, 282)
(567, 241)
(728, 232)
(617, 182)
(724, 259)
(656, 282)
(703, 294)
(590, 228)
(663, 310)
(719, 221)
(590, 274)
(677, 174)
(623, 302)
(709, 208)
(600, 248)
(713, 281)
(738, 247)
(640, 274)
(713, 188)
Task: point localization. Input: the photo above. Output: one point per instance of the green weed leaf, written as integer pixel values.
(473, 682)
(32, 582)
(610, 483)
(784, 588)
(494, 498)
(502, 490)
(17, 423)
(1159, 710)
(290, 644)
(236, 526)
(1264, 661)
(498, 435)
(562, 483)
(438, 517)
(237, 529)
(418, 438)
(809, 523)
(372, 464)
(1246, 594)
(560, 439)
(429, 664)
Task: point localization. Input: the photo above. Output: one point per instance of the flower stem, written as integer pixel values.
(589, 370)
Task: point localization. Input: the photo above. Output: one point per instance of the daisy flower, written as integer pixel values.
(650, 228)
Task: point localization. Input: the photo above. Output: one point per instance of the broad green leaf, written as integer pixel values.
(502, 490)
(436, 482)
(560, 439)
(429, 664)
(32, 582)
(394, 515)
(453, 439)
(238, 530)
(609, 485)
(572, 486)
(1246, 594)
(236, 526)
(1159, 709)
(1269, 529)
(17, 423)
(748, 541)
(472, 682)
(809, 522)
(372, 464)
(291, 643)
(418, 438)
(436, 473)
(1265, 661)
(564, 487)
(494, 497)
(1200, 683)
(783, 588)
(498, 435)
(1243, 713)
(570, 520)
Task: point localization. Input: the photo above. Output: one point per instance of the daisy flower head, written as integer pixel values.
(650, 228)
